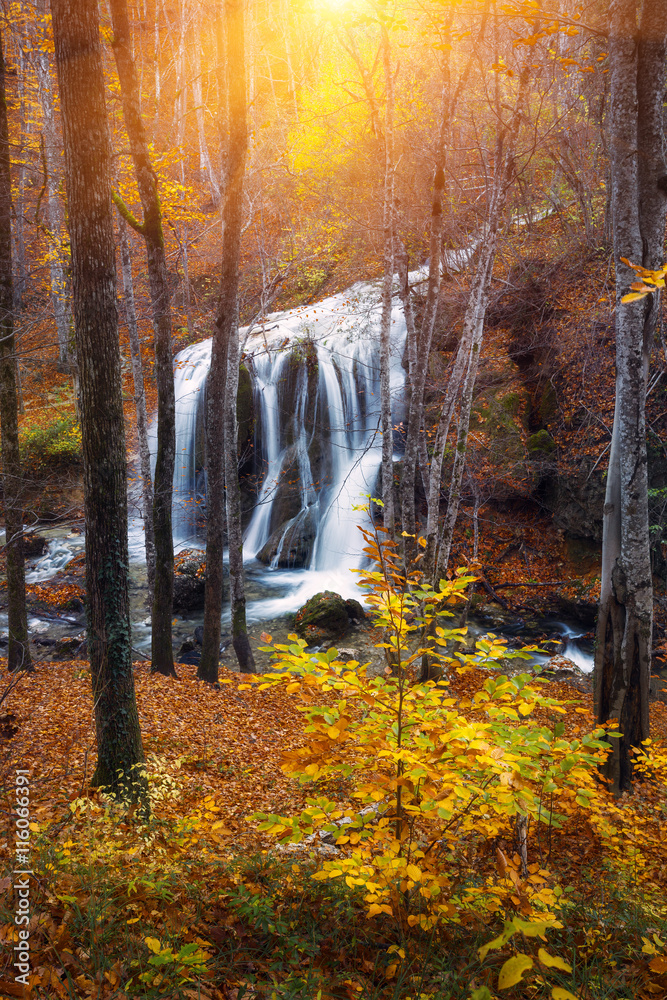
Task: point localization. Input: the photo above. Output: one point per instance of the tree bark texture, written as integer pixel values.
(222, 385)
(162, 655)
(19, 650)
(88, 178)
(623, 651)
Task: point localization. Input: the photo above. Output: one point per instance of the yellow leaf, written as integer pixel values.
(633, 296)
(558, 993)
(414, 873)
(553, 961)
(152, 944)
(513, 970)
(133, 920)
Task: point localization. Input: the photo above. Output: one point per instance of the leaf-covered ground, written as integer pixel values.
(202, 905)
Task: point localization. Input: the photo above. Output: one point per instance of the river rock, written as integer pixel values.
(188, 653)
(292, 543)
(69, 647)
(560, 668)
(34, 545)
(322, 618)
(189, 581)
(355, 612)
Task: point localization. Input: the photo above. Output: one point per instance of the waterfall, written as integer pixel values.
(317, 448)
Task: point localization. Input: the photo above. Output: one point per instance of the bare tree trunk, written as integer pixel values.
(19, 649)
(387, 292)
(60, 290)
(474, 324)
(19, 208)
(422, 355)
(161, 645)
(76, 34)
(140, 406)
(205, 165)
(639, 186)
(222, 386)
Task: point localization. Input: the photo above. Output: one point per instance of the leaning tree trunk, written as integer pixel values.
(222, 385)
(467, 361)
(76, 34)
(19, 650)
(639, 188)
(161, 645)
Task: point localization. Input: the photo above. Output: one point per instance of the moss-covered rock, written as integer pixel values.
(322, 618)
(541, 444)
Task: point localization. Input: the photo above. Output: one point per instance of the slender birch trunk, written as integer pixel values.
(387, 291)
(638, 57)
(60, 286)
(420, 368)
(140, 406)
(19, 649)
(222, 385)
(151, 229)
(205, 165)
(19, 206)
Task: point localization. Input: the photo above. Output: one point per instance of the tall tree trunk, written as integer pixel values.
(420, 365)
(76, 34)
(19, 650)
(387, 291)
(58, 264)
(222, 385)
(140, 406)
(639, 186)
(205, 165)
(20, 275)
(161, 645)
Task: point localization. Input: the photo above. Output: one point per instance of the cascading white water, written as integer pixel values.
(315, 372)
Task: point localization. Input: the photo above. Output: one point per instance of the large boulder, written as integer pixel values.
(322, 618)
(189, 581)
(291, 545)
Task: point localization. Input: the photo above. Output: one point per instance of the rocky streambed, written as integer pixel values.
(58, 630)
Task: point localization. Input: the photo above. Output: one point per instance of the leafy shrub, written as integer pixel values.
(49, 440)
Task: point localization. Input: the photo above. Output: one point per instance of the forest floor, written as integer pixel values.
(232, 914)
